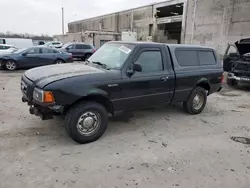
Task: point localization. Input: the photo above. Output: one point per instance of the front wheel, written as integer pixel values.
(196, 101)
(87, 56)
(86, 122)
(10, 65)
(59, 61)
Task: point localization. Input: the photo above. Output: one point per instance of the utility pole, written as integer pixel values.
(62, 21)
(131, 21)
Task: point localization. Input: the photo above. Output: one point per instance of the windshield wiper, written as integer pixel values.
(101, 64)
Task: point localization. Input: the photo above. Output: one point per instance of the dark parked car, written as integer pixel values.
(121, 77)
(79, 50)
(237, 62)
(34, 57)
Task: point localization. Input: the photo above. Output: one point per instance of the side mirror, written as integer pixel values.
(137, 67)
(24, 54)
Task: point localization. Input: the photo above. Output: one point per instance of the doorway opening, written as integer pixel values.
(169, 23)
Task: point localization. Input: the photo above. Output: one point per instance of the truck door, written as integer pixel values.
(231, 55)
(151, 87)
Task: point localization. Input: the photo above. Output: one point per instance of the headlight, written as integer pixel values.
(43, 96)
(38, 94)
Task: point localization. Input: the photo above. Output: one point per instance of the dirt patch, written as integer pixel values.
(244, 106)
(228, 93)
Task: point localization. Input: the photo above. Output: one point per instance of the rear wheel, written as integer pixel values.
(196, 101)
(10, 65)
(59, 61)
(86, 122)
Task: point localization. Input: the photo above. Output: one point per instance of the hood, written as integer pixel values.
(243, 46)
(42, 76)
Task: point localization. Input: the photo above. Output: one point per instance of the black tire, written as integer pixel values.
(189, 104)
(10, 65)
(76, 112)
(59, 61)
(87, 56)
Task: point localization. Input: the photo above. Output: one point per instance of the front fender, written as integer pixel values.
(5, 58)
(67, 92)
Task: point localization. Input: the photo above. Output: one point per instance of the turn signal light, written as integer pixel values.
(48, 97)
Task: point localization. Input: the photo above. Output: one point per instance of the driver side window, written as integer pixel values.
(151, 61)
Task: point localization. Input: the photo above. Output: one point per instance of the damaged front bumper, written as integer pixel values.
(45, 112)
(232, 76)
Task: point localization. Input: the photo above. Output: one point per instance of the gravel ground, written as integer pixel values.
(161, 147)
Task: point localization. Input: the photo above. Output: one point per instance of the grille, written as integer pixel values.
(27, 87)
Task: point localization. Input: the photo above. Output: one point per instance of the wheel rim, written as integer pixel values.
(10, 65)
(88, 123)
(198, 101)
(59, 62)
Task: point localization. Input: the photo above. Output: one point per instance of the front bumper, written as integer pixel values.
(232, 76)
(45, 112)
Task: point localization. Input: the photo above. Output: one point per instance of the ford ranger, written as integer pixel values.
(122, 76)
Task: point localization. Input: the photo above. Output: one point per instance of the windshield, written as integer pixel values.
(112, 55)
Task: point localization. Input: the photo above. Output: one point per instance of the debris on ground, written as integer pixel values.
(65, 153)
(235, 111)
(152, 141)
(131, 168)
(204, 121)
(171, 169)
(164, 144)
(145, 165)
(53, 168)
(242, 140)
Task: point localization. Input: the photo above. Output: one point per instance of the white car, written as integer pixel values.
(6, 49)
(54, 44)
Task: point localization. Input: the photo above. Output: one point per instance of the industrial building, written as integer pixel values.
(213, 23)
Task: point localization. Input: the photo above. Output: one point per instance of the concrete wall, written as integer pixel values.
(88, 37)
(136, 19)
(208, 22)
(217, 22)
(70, 37)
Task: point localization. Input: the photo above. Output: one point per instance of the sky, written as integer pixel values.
(44, 16)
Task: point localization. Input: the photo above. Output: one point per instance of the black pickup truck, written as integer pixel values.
(122, 76)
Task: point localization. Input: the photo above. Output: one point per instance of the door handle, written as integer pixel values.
(164, 78)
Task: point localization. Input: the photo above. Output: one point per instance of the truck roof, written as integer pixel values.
(170, 45)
